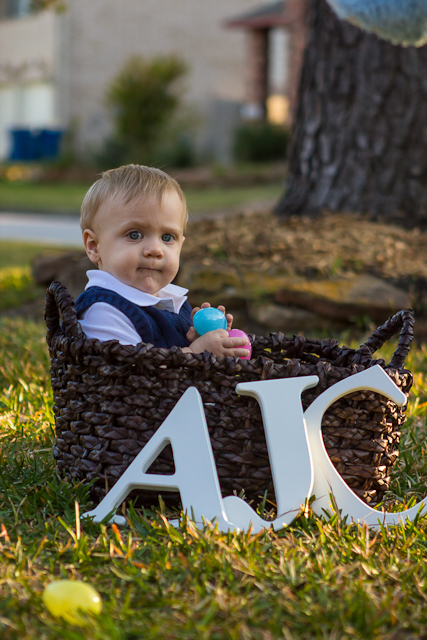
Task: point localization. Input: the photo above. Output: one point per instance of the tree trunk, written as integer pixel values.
(360, 137)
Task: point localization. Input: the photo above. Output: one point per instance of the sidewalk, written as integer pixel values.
(61, 230)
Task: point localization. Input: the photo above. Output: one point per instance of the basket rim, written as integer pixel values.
(59, 302)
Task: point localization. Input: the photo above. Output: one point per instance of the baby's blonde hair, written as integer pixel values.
(130, 181)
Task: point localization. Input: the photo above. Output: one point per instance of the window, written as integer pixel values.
(15, 8)
(278, 57)
(25, 106)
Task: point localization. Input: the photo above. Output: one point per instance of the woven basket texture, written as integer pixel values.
(109, 399)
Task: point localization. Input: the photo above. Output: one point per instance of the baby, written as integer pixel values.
(133, 221)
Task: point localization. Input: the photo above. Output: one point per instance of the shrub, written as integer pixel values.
(16, 287)
(144, 98)
(260, 142)
(178, 152)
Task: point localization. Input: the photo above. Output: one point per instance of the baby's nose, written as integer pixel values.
(153, 247)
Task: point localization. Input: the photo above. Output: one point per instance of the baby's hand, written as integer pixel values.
(192, 335)
(220, 344)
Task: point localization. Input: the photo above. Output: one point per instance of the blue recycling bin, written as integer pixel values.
(50, 143)
(40, 144)
(25, 145)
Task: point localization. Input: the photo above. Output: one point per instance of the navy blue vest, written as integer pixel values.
(164, 329)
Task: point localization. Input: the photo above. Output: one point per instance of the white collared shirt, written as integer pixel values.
(105, 322)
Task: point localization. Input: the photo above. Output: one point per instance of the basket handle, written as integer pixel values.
(402, 321)
(60, 303)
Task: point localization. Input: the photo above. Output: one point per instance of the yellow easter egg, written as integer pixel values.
(67, 599)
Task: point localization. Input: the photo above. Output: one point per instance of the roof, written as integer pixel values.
(267, 15)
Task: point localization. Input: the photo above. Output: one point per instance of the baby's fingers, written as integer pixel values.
(242, 353)
(205, 305)
(230, 343)
(191, 334)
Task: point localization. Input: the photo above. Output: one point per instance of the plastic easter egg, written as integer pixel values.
(400, 21)
(209, 319)
(68, 599)
(237, 333)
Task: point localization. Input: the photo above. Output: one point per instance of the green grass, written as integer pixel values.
(16, 287)
(68, 197)
(21, 254)
(17, 284)
(320, 578)
(41, 197)
(219, 198)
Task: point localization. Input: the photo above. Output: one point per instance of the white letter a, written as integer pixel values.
(195, 476)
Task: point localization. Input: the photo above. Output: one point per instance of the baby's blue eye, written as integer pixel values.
(167, 237)
(135, 235)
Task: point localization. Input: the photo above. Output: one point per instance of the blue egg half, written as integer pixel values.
(209, 319)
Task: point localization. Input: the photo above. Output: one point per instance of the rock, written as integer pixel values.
(289, 320)
(69, 268)
(345, 297)
(217, 285)
(302, 304)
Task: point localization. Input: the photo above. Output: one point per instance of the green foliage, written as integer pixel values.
(260, 142)
(319, 578)
(178, 152)
(39, 5)
(144, 97)
(16, 287)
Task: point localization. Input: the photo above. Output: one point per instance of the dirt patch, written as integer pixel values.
(246, 259)
(316, 247)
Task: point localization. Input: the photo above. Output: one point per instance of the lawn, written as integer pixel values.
(68, 197)
(20, 254)
(320, 578)
(22, 196)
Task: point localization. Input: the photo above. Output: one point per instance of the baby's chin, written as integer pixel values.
(147, 285)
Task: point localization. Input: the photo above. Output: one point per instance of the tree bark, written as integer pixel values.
(360, 136)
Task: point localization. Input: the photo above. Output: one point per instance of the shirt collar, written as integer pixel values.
(170, 297)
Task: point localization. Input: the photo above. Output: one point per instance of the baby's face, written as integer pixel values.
(139, 242)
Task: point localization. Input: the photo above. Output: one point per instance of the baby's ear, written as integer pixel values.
(90, 242)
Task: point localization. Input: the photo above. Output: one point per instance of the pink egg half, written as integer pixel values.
(237, 333)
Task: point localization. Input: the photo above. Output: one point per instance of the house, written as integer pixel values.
(276, 35)
(55, 67)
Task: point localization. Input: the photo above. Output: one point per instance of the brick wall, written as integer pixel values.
(295, 16)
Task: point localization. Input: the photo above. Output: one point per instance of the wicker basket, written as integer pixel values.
(110, 399)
